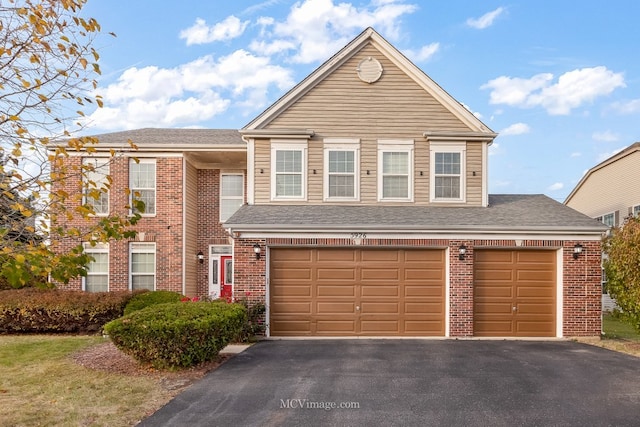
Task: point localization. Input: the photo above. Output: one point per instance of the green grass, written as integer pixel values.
(41, 385)
(616, 327)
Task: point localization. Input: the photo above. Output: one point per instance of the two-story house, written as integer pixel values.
(356, 205)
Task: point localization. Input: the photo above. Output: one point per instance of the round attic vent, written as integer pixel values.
(369, 70)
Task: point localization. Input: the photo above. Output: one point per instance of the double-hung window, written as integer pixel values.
(636, 211)
(96, 184)
(341, 169)
(97, 278)
(231, 194)
(142, 266)
(395, 166)
(447, 178)
(142, 182)
(289, 171)
(609, 219)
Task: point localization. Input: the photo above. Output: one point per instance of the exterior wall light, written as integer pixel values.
(257, 250)
(462, 250)
(577, 250)
(200, 257)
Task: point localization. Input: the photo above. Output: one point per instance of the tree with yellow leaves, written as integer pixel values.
(48, 71)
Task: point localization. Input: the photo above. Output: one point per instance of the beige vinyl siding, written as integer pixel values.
(612, 188)
(393, 107)
(191, 225)
(474, 165)
(262, 172)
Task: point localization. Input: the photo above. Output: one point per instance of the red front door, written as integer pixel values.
(226, 277)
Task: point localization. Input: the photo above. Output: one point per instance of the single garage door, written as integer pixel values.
(514, 293)
(349, 292)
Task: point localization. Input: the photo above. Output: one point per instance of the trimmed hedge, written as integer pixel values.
(177, 335)
(147, 299)
(32, 310)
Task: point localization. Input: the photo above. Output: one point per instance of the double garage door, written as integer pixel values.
(401, 292)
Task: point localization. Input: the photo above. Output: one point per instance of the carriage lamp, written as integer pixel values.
(462, 250)
(200, 257)
(257, 250)
(577, 250)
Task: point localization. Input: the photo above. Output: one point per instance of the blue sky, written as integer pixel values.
(559, 81)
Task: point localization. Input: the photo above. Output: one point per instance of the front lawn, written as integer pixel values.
(616, 328)
(41, 385)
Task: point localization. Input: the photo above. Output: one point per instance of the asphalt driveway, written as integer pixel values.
(413, 383)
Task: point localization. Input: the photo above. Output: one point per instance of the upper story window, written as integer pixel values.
(636, 211)
(341, 169)
(447, 166)
(97, 278)
(395, 170)
(609, 219)
(96, 185)
(142, 182)
(289, 171)
(142, 268)
(231, 194)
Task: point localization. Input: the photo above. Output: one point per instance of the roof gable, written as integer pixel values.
(390, 53)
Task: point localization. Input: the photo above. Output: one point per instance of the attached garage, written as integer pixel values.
(352, 292)
(514, 293)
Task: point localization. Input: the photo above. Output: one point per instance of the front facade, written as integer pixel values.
(365, 212)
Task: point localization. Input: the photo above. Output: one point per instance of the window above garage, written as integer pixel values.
(341, 169)
(447, 176)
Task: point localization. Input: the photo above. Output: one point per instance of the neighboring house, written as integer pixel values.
(609, 192)
(367, 214)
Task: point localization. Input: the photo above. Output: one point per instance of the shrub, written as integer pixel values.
(33, 310)
(175, 335)
(147, 299)
(255, 324)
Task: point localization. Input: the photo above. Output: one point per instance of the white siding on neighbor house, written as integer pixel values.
(613, 188)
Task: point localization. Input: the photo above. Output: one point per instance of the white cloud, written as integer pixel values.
(576, 154)
(485, 20)
(316, 29)
(475, 113)
(572, 89)
(190, 93)
(629, 107)
(424, 53)
(606, 136)
(556, 186)
(516, 129)
(201, 33)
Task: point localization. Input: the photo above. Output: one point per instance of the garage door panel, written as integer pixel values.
(332, 255)
(399, 292)
(525, 279)
(342, 290)
(335, 308)
(292, 291)
(335, 274)
(291, 255)
(292, 307)
(378, 274)
(368, 307)
(379, 291)
(335, 326)
(429, 290)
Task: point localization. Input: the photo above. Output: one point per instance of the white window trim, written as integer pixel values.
(136, 247)
(635, 210)
(395, 146)
(613, 213)
(86, 187)
(241, 198)
(447, 147)
(294, 145)
(342, 144)
(98, 248)
(155, 188)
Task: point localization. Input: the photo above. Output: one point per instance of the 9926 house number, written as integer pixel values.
(358, 235)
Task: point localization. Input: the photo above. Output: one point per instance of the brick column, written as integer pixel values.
(461, 289)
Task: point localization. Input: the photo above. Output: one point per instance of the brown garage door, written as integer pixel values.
(514, 293)
(344, 292)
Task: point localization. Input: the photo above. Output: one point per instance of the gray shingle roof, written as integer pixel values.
(506, 212)
(156, 136)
